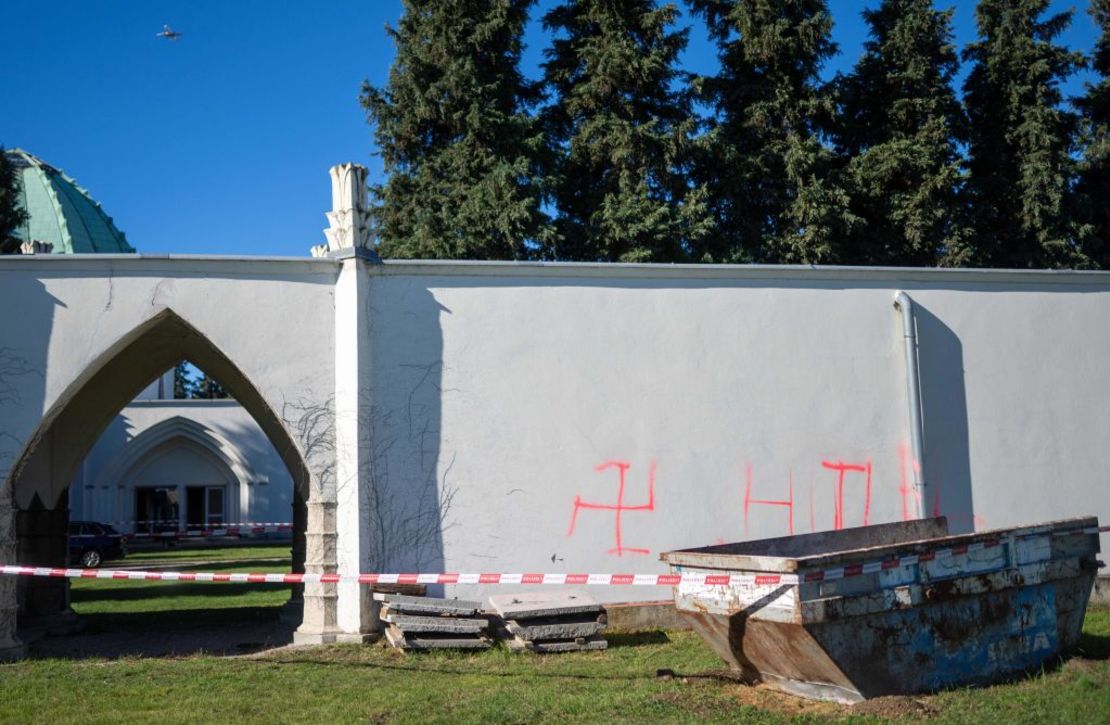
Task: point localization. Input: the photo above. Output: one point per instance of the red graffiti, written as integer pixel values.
(904, 487)
(977, 522)
(849, 473)
(788, 503)
(842, 470)
(619, 507)
(812, 523)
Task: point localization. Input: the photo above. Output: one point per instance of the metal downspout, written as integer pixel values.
(904, 304)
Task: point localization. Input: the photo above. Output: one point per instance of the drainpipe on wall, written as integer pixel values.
(904, 304)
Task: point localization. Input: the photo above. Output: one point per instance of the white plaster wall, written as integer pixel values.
(508, 386)
(160, 389)
(268, 494)
(272, 318)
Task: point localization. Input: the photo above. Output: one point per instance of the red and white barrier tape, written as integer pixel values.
(440, 578)
(175, 522)
(234, 530)
(497, 578)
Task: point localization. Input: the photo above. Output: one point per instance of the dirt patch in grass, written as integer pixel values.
(764, 698)
(745, 695)
(1080, 664)
(895, 707)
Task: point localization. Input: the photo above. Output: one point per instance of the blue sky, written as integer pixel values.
(220, 143)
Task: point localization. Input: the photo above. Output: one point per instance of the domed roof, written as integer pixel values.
(60, 212)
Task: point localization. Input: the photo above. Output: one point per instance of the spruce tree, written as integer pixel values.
(452, 126)
(208, 388)
(1093, 188)
(1020, 141)
(12, 213)
(621, 129)
(898, 130)
(772, 178)
(184, 385)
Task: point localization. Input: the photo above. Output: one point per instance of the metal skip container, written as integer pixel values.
(892, 609)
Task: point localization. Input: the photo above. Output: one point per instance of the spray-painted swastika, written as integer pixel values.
(619, 507)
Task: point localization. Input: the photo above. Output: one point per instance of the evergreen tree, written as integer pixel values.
(208, 388)
(183, 383)
(12, 213)
(457, 142)
(899, 127)
(192, 383)
(772, 178)
(1093, 188)
(622, 134)
(1020, 164)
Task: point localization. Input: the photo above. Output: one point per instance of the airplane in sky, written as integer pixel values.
(168, 33)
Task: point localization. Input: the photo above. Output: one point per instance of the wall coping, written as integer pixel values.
(262, 266)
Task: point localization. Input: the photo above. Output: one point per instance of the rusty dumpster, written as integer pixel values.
(890, 609)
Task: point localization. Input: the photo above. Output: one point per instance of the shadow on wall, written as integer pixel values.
(944, 411)
(271, 493)
(24, 342)
(409, 499)
(94, 499)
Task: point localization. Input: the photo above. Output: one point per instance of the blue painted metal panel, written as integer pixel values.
(858, 620)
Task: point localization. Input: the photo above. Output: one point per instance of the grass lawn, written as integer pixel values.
(205, 553)
(117, 596)
(350, 683)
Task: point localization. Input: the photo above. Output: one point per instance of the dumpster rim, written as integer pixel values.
(702, 559)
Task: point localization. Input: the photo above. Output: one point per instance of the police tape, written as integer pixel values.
(209, 525)
(436, 578)
(201, 532)
(498, 578)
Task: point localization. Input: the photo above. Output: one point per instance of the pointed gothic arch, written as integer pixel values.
(38, 483)
(68, 430)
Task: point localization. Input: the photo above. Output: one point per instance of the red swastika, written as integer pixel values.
(619, 507)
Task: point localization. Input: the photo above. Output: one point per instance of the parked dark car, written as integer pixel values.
(91, 543)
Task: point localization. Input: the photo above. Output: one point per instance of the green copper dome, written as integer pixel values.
(60, 212)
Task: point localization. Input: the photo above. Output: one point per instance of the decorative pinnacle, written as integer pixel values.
(349, 219)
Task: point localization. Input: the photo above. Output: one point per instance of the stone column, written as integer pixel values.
(43, 540)
(348, 240)
(11, 647)
(293, 610)
(358, 619)
(318, 624)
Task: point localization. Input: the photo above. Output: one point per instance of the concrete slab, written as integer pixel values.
(427, 605)
(543, 628)
(645, 615)
(410, 624)
(557, 646)
(400, 640)
(528, 605)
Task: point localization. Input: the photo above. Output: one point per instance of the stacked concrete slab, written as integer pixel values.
(564, 621)
(421, 623)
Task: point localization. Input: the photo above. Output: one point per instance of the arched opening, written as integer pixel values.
(182, 456)
(49, 462)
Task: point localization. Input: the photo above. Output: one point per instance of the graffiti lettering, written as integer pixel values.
(788, 503)
(842, 470)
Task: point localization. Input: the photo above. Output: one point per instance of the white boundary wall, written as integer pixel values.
(493, 397)
(522, 389)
